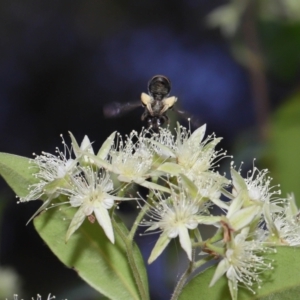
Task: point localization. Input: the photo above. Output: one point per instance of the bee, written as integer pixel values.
(156, 103)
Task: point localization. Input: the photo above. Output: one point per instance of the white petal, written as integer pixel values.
(75, 145)
(41, 208)
(211, 145)
(104, 220)
(76, 201)
(159, 247)
(106, 146)
(155, 186)
(122, 198)
(220, 271)
(191, 224)
(276, 208)
(76, 222)
(70, 164)
(108, 203)
(197, 135)
(123, 178)
(100, 162)
(173, 233)
(208, 220)
(86, 145)
(236, 204)
(233, 288)
(88, 209)
(220, 203)
(238, 181)
(166, 151)
(170, 168)
(190, 186)
(292, 207)
(152, 227)
(244, 216)
(269, 221)
(185, 241)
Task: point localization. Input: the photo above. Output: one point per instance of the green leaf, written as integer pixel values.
(280, 41)
(17, 172)
(100, 263)
(284, 147)
(136, 260)
(281, 283)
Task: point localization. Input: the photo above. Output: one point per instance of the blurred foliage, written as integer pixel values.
(9, 282)
(228, 17)
(283, 151)
(278, 27)
(281, 44)
(265, 37)
(287, 10)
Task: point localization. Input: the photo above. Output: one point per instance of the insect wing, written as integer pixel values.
(117, 109)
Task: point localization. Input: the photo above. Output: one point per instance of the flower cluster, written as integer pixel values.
(180, 172)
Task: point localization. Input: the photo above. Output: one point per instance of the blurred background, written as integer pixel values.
(234, 65)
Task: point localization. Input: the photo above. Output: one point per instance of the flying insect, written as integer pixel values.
(156, 103)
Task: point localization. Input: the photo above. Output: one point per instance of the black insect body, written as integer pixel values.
(156, 103)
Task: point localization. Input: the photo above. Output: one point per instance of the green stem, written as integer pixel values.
(198, 244)
(184, 278)
(131, 258)
(201, 262)
(215, 249)
(217, 237)
(137, 221)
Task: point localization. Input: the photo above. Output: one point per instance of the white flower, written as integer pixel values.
(239, 217)
(174, 217)
(85, 152)
(257, 184)
(284, 227)
(292, 211)
(243, 263)
(133, 160)
(85, 147)
(288, 231)
(256, 190)
(188, 153)
(211, 188)
(92, 192)
(53, 173)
